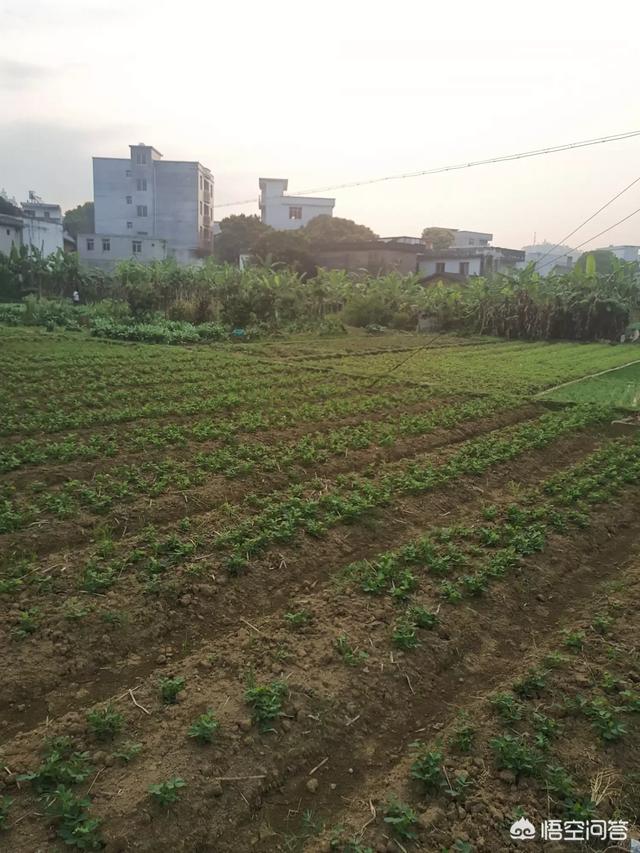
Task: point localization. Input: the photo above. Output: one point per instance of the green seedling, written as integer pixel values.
(74, 825)
(166, 793)
(128, 751)
(601, 624)
(404, 635)
(105, 723)
(74, 610)
(531, 685)
(462, 739)
(559, 782)
(349, 655)
(422, 618)
(204, 727)
(61, 765)
(513, 753)
(545, 727)
(631, 700)
(297, 620)
(5, 805)
(450, 592)
(580, 809)
(427, 767)
(28, 623)
(265, 701)
(574, 640)
(169, 689)
(508, 707)
(604, 720)
(402, 820)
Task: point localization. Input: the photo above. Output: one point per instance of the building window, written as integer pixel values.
(47, 215)
(200, 208)
(440, 267)
(129, 224)
(295, 213)
(141, 157)
(142, 210)
(472, 242)
(129, 199)
(106, 244)
(136, 246)
(200, 181)
(464, 267)
(142, 184)
(8, 233)
(128, 173)
(90, 244)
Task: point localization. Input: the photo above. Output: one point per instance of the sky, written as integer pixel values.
(329, 93)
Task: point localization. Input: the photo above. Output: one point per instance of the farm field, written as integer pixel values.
(619, 388)
(346, 595)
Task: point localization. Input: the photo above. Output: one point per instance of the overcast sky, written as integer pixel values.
(333, 92)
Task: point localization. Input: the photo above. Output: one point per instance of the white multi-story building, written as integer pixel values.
(35, 223)
(288, 212)
(148, 208)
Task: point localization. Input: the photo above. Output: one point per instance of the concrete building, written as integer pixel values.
(465, 239)
(624, 253)
(288, 212)
(148, 208)
(34, 223)
(10, 230)
(468, 261)
(374, 256)
(413, 241)
(549, 258)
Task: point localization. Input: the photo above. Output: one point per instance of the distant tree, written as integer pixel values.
(601, 261)
(238, 234)
(291, 248)
(439, 238)
(80, 220)
(335, 229)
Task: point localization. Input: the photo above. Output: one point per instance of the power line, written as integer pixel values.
(538, 152)
(593, 216)
(600, 233)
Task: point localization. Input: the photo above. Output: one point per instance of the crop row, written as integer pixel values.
(136, 439)
(465, 560)
(510, 368)
(236, 459)
(580, 692)
(529, 736)
(201, 399)
(61, 394)
(279, 517)
(279, 521)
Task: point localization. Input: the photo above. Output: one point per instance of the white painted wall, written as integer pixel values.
(275, 207)
(429, 267)
(45, 235)
(10, 233)
(624, 253)
(464, 239)
(120, 248)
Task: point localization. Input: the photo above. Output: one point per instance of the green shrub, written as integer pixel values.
(204, 727)
(166, 793)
